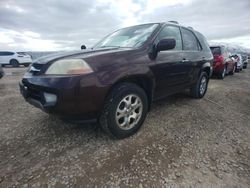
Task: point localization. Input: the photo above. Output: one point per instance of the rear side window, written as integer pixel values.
(171, 32)
(190, 42)
(216, 50)
(6, 53)
(21, 53)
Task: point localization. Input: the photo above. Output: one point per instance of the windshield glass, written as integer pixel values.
(216, 50)
(128, 37)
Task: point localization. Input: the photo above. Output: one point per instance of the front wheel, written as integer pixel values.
(200, 88)
(124, 111)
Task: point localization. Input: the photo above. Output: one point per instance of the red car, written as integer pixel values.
(223, 63)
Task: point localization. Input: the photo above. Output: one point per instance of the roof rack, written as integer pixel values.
(190, 27)
(172, 21)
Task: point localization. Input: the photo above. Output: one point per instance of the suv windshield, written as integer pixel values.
(129, 37)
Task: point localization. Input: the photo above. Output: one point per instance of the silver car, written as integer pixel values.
(239, 65)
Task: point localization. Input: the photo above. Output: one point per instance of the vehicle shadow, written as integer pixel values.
(11, 67)
(177, 99)
(57, 126)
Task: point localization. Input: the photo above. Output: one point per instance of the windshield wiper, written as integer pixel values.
(108, 46)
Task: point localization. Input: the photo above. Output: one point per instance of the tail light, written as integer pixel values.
(218, 59)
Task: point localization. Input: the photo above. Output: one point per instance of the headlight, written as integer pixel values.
(69, 66)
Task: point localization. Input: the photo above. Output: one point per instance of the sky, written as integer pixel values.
(52, 25)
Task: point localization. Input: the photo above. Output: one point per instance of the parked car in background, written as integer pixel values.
(115, 81)
(239, 65)
(223, 63)
(15, 58)
(1, 71)
(245, 61)
(235, 63)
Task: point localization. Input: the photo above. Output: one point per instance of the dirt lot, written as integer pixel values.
(183, 143)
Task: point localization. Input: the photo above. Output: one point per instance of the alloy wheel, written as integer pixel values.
(129, 112)
(203, 85)
(224, 72)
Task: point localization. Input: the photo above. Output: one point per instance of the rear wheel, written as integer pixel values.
(125, 110)
(232, 71)
(26, 64)
(200, 88)
(223, 73)
(14, 63)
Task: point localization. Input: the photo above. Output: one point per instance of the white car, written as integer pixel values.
(239, 65)
(15, 58)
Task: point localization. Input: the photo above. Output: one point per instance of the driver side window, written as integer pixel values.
(171, 32)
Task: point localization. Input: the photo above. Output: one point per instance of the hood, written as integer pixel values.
(78, 54)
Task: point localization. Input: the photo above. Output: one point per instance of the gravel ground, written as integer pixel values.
(183, 143)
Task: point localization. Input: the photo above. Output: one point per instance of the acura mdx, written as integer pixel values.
(116, 81)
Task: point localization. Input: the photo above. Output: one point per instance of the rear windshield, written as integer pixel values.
(216, 50)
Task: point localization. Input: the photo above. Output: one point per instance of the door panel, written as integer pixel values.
(171, 73)
(171, 68)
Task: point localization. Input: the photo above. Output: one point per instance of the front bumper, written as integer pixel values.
(78, 97)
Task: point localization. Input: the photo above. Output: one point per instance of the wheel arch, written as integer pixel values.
(207, 68)
(143, 81)
(13, 59)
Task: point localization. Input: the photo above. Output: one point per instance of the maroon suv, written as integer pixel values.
(116, 81)
(223, 62)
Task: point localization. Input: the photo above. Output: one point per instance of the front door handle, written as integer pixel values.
(185, 60)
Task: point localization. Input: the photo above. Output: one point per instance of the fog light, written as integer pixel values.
(50, 98)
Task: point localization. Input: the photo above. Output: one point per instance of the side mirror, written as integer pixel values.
(83, 47)
(166, 44)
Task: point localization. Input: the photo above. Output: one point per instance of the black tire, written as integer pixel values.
(108, 120)
(222, 74)
(232, 71)
(26, 64)
(195, 91)
(14, 63)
